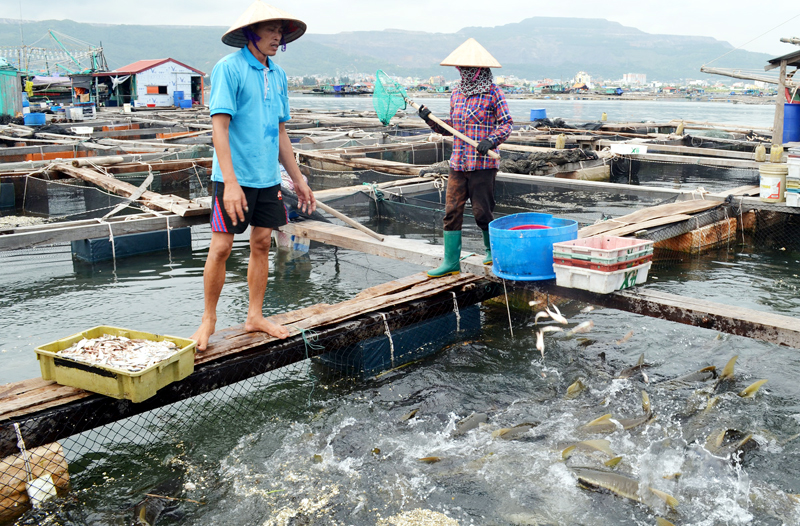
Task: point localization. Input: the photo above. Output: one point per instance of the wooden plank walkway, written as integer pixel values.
(48, 412)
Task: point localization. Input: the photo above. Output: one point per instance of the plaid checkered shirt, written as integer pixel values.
(481, 116)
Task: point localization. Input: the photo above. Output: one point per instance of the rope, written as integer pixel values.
(756, 38)
(309, 338)
(508, 308)
(24, 451)
(389, 335)
(456, 311)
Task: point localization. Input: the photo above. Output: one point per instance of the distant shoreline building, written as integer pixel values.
(153, 83)
(638, 79)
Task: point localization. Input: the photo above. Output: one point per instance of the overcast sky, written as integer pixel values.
(734, 21)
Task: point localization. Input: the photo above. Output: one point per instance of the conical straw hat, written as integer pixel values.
(470, 54)
(262, 12)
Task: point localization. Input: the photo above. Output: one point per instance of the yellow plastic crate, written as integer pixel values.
(111, 381)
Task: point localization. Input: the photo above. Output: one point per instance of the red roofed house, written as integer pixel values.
(153, 83)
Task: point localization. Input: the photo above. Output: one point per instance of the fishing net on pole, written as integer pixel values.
(387, 97)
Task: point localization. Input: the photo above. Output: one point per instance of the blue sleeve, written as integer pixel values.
(224, 85)
(285, 112)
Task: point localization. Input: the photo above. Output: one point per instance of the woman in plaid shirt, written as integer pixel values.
(478, 109)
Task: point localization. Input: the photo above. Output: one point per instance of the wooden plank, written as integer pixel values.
(680, 149)
(363, 164)
(648, 214)
(643, 225)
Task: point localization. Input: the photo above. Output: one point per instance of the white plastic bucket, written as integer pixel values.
(126, 108)
(773, 182)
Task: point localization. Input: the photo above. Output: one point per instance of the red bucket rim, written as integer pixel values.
(529, 227)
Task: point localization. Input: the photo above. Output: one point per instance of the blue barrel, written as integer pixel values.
(791, 123)
(538, 114)
(522, 245)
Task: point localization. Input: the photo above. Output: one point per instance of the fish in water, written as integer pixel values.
(603, 446)
(597, 480)
(663, 522)
(607, 424)
(703, 375)
(751, 390)
(540, 314)
(625, 338)
(409, 416)
(469, 423)
(149, 509)
(575, 389)
(540, 342)
(429, 460)
(581, 328)
(587, 310)
(730, 443)
(635, 370)
(513, 433)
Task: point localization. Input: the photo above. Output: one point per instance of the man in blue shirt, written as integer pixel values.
(249, 106)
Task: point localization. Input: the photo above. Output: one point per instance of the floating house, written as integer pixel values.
(10, 90)
(152, 83)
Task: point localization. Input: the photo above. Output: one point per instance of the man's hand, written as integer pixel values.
(484, 146)
(235, 202)
(305, 197)
(424, 113)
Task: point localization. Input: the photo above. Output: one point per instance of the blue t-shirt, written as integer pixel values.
(257, 99)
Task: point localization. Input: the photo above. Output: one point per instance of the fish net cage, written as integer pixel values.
(167, 449)
(60, 200)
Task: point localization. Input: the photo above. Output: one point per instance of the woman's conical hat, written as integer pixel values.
(262, 12)
(470, 54)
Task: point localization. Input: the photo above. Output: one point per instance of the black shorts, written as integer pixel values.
(265, 209)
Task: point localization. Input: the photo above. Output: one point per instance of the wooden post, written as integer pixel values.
(777, 124)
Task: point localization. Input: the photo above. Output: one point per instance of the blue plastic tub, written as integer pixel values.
(791, 123)
(186, 104)
(34, 119)
(538, 114)
(526, 254)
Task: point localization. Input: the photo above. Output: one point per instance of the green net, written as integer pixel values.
(387, 97)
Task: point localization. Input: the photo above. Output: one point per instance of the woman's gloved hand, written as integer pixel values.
(484, 146)
(424, 113)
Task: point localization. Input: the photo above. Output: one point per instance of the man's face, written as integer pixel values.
(270, 33)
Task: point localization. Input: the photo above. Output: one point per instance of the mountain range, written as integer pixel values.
(533, 48)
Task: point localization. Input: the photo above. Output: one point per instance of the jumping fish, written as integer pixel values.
(540, 314)
(617, 484)
(612, 463)
(587, 310)
(605, 423)
(469, 423)
(603, 446)
(575, 389)
(429, 460)
(540, 342)
(409, 416)
(703, 375)
(556, 315)
(625, 338)
(149, 510)
(636, 369)
(730, 442)
(581, 328)
(751, 390)
(663, 522)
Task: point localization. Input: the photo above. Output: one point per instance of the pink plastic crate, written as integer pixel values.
(604, 247)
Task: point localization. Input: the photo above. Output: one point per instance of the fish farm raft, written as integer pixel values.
(482, 399)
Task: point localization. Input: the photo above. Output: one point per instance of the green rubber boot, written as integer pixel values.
(452, 255)
(488, 259)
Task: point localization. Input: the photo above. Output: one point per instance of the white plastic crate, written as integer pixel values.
(793, 199)
(604, 261)
(611, 249)
(601, 282)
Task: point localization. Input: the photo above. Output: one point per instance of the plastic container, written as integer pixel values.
(580, 263)
(773, 181)
(34, 119)
(604, 249)
(794, 167)
(601, 282)
(793, 199)
(530, 227)
(791, 123)
(110, 381)
(186, 104)
(538, 114)
(527, 255)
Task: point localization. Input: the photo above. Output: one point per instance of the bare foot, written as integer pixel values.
(201, 336)
(261, 324)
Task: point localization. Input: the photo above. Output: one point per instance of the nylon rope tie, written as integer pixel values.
(389, 335)
(113, 246)
(508, 309)
(310, 343)
(169, 240)
(24, 451)
(741, 215)
(456, 312)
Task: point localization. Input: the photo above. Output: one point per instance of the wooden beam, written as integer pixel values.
(777, 123)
